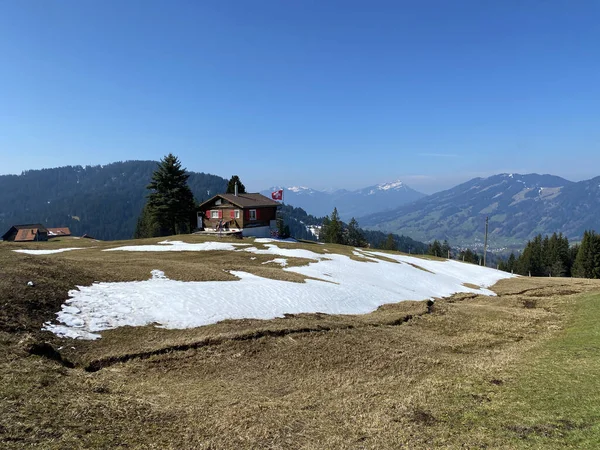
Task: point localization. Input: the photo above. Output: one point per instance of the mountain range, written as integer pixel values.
(361, 202)
(105, 202)
(518, 206)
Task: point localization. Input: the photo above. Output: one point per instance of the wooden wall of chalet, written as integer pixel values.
(227, 213)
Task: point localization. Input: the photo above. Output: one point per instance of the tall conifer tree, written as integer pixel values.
(171, 202)
(334, 229)
(231, 185)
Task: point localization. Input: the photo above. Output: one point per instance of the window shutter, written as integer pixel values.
(208, 214)
(232, 214)
(220, 214)
(257, 213)
(246, 214)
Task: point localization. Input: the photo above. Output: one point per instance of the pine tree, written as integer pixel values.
(334, 234)
(587, 261)
(468, 255)
(231, 185)
(511, 263)
(435, 249)
(171, 202)
(354, 235)
(573, 251)
(324, 231)
(582, 267)
(390, 243)
(283, 230)
(445, 250)
(146, 226)
(531, 260)
(547, 256)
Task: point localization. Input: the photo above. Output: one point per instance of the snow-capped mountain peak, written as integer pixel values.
(392, 185)
(349, 204)
(298, 189)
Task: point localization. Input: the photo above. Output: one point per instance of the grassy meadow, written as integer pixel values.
(514, 371)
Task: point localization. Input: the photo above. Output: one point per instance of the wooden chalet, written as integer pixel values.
(26, 233)
(250, 214)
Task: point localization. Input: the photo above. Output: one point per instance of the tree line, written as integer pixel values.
(334, 230)
(553, 256)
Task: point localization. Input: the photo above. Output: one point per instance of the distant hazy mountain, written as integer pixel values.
(102, 201)
(519, 207)
(381, 197)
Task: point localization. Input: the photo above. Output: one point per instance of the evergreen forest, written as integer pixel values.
(552, 256)
(101, 201)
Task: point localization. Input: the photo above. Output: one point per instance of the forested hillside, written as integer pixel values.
(102, 201)
(299, 222)
(518, 206)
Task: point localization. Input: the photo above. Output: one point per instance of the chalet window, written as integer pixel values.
(252, 214)
(214, 214)
(237, 214)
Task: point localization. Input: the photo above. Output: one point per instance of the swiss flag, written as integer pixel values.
(277, 195)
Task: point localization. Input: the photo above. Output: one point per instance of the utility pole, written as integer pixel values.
(485, 242)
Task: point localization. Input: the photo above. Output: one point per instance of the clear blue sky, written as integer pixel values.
(318, 93)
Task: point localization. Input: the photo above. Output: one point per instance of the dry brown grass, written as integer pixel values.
(395, 378)
(25, 308)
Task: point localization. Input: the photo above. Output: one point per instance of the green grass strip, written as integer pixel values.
(554, 400)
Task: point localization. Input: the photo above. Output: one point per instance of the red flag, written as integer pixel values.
(277, 195)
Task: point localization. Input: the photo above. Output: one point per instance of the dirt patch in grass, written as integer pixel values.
(419, 267)
(378, 257)
(546, 430)
(126, 343)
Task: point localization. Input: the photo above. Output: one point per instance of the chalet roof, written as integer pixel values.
(26, 232)
(39, 226)
(62, 231)
(244, 200)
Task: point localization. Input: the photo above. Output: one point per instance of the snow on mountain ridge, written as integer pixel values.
(392, 185)
(299, 189)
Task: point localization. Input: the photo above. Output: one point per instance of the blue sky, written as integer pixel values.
(326, 94)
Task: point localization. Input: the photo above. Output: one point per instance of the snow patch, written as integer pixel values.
(287, 252)
(158, 275)
(337, 285)
(177, 246)
(47, 252)
(281, 261)
(265, 240)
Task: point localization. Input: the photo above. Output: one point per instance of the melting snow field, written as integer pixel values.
(342, 286)
(47, 252)
(177, 246)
